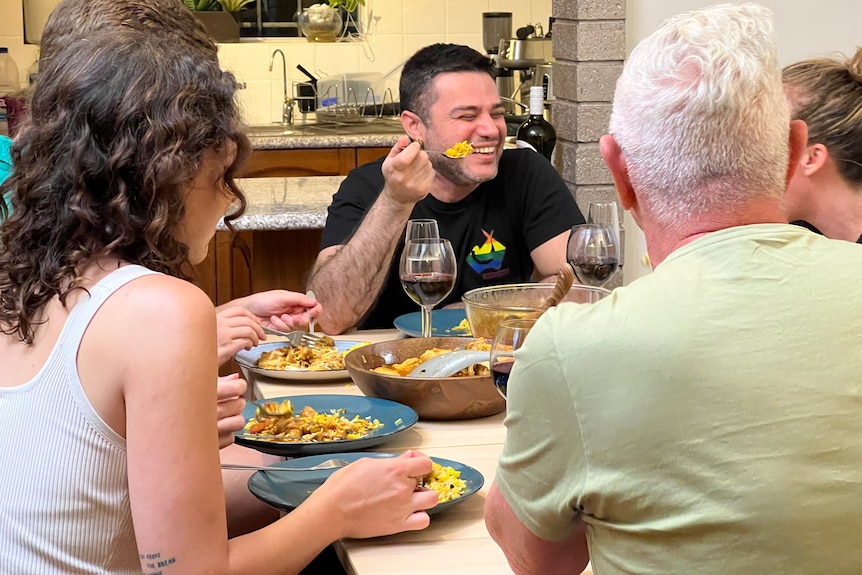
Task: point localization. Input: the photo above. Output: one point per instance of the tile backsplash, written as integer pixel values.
(395, 30)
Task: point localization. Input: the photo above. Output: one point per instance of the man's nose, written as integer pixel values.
(487, 126)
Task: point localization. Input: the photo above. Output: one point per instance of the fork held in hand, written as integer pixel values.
(297, 338)
(328, 464)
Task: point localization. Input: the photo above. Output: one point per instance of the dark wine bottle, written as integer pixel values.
(537, 133)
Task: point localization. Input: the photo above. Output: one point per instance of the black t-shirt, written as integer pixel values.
(811, 227)
(492, 231)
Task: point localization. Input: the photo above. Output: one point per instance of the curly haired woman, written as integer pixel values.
(121, 175)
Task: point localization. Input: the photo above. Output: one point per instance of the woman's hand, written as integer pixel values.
(231, 402)
(280, 309)
(373, 497)
(237, 329)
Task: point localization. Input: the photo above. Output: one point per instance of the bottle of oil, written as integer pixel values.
(8, 86)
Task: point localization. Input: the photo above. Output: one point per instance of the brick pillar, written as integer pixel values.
(589, 48)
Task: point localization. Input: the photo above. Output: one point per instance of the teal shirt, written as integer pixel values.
(703, 419)
(5, 160)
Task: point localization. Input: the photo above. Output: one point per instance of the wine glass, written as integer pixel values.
(421, 229)
(606, 214)
(509, 336)
(427, 271)
(593, 253)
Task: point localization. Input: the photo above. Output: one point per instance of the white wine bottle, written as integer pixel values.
(537, 133)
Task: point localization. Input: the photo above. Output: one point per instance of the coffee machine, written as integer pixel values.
(497, 27)
(521, 62)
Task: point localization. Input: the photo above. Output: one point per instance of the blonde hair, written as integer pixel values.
(700, 113)
(826, 93)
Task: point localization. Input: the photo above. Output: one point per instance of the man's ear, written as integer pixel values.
(413, 125)
(798, 141)
(613, 156)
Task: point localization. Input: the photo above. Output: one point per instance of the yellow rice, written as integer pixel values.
(446, 481)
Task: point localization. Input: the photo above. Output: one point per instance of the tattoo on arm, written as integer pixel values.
(153, 563)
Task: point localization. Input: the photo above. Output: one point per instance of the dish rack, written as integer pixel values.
(346, 106)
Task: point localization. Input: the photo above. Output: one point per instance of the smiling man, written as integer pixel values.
(506, 213)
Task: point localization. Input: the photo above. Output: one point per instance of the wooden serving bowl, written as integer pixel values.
(433, 398)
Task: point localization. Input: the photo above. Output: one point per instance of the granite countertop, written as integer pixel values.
(302, 141)
(361, 132)
(286, 203)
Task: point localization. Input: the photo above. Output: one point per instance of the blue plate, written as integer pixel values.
(286, 491)
(394, 416)
(248, 360)
(442, 322)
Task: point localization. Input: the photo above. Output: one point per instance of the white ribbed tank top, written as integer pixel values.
(64, 493)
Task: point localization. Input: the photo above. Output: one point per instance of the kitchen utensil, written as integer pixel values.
(310, 294)
(495, 27)
(298, 338)
(468, 149)
(435, 398)
(488, 306)
(328, 464)
(448, 364)
(564, 282)
(287, 491)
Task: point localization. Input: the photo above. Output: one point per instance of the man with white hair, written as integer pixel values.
(705, 418)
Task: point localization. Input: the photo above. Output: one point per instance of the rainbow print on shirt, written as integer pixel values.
(487, 259)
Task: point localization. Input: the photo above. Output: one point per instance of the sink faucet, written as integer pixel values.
(287, 105)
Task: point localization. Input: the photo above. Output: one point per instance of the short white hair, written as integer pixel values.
(700, 113)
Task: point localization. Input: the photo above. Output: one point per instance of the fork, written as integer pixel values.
(297, 338)
(445, 153)
(328, 464)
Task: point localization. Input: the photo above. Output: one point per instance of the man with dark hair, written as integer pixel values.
(506, 213)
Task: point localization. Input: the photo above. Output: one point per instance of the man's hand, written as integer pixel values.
(408, 173)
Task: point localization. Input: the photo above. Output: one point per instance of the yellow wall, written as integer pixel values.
(398, 28)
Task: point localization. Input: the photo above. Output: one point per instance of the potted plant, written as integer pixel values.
(219, 17)
(323, 22)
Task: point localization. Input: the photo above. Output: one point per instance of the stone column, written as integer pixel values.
(589, 48)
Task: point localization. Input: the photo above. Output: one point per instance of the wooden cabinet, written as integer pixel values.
(310, 162)
(252, 261)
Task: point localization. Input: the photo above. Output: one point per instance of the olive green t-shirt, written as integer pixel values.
(707, 418)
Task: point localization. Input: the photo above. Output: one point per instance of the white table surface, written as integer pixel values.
(456, 542)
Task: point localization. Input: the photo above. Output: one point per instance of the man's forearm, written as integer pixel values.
(348, 283)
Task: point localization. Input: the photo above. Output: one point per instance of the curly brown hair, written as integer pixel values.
(119, 123)
(81, 18)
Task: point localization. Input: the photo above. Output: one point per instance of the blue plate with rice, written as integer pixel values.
(286, 491)
(395, 417)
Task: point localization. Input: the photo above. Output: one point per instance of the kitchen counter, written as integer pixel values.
(285, 203)
(362, 132)
(275, 141)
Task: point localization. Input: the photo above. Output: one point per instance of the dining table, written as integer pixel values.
(456, 542)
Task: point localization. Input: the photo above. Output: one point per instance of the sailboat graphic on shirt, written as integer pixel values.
(487, 257)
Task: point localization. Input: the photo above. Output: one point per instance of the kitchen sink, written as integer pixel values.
(354, 126)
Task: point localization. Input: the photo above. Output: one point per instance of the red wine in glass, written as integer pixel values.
(427, 272)
(428, 288)
(500, 373)
(509, 336)
(595, 271)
